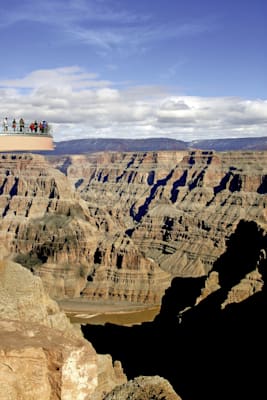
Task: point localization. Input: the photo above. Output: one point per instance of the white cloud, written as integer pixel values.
(74, 77)
(79, 104)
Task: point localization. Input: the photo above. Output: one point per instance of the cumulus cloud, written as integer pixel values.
(79, 104)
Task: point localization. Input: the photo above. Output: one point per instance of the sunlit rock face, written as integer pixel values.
(177, 207)
(109, 375)
(37, 362)
(42, 355)
(23, 298)
(48, 227)
(122, 273)
(43, 221)
(120, 226)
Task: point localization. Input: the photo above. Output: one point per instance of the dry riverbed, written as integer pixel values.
(100, 313)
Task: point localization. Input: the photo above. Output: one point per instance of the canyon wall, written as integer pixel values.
(186, 230)
(177, 207)
(121, 226)
(49, 228)
(209, 339)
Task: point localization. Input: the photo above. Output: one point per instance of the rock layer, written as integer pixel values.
(47, 227)
(120, 226)
(209, 339)
(177, 207)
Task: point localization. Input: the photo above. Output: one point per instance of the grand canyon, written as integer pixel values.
(133, 273)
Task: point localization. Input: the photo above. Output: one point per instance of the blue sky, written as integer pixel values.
(186, 69)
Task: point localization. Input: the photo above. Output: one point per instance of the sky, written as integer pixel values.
(182, 69)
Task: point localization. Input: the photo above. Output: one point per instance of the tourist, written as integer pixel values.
(14, 125)
(21, 124)
(41, 128)
(35, 126)
(45, 126)
(5, 124)
(32, 127)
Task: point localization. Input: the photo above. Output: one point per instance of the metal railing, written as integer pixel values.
(26, 130)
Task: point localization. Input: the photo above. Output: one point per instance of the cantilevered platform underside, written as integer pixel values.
(25, 142)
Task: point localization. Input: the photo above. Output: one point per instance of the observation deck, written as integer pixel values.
(25, 139)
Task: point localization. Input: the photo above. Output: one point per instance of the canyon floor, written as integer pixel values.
(100, 313)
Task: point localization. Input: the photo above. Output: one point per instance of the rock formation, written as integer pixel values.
(23, 298)
(177, 207)
(42, 355)
(120, 226)
(209, 339)
(47, 227)
(185, 229)
(37, 362)
(144, 388)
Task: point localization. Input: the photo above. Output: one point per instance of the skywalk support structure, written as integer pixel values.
(26, 140)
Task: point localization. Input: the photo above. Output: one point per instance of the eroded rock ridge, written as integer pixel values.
(209, 339)
(120, 226)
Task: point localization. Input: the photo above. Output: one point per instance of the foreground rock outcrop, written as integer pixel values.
(23, 298)
(144, 388)
(42, 355)
(41, 363)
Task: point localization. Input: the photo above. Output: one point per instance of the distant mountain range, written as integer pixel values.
(81, 146)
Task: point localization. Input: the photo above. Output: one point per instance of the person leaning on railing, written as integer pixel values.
(34, 127)
(14, 125)
(5, 124)
(21, 124)
(44, 127)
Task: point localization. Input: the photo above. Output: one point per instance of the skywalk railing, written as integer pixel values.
(26, 130)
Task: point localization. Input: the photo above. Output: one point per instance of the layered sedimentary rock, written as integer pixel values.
(241, 271)
(47, 227)
(209, 339)
(122, 273)
(131, 226)
(122, 225)
(178, 207)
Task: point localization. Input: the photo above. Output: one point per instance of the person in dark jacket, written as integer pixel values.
(14, 125)
(21, 124)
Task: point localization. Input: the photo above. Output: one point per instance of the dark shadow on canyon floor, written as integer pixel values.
(210, 352)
